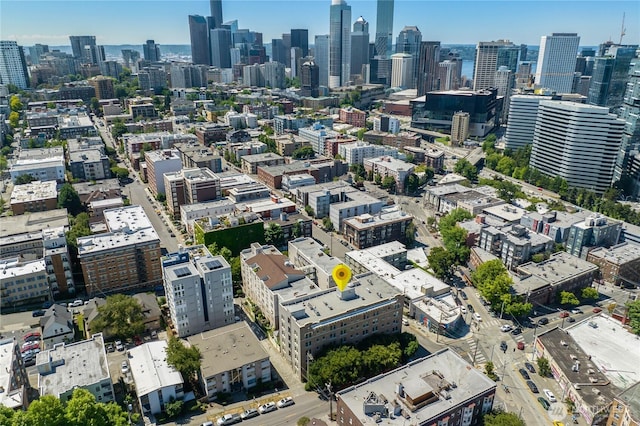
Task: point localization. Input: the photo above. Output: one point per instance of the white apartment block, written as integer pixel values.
(523, 110)
(388, 166)
(158, 163)
(557, 61)
(23, 282)
(357, 152)
(199, 290)
(82, 364)
(577, 142)
(189, 213)
(316, 135)
(156, 382)
(308, 255)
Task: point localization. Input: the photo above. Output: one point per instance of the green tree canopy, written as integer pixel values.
(327, 224)
(441, 262)
(14, 119)
(543, 367)
(274, 234)
(452, 218)
(118, 128)
(388, 182)
(568, 298)
(502, 418)
(184, 359)
(121, 316)
(303, 152)
(26, 178)
(590, 293)
(633, 311)
(68, 199)
(410, 233)
(455, 241)
(466, 169)
(79, 228)
(16, 104)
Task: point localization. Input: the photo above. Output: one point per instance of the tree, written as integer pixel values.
(633, 312)
(452, 218)
(441, 263)
(47, 410)
(184, 359)
(83, 409)
(410, 158)
(303, 152)
(502, 418)
(412, 183)
(309, 210)
(543, 367)
(377, 179)
(14, 119)
(466, 169)
(410, 234)
(95, 105)
(455, 240)
(568, 298)
(79, 228)
(118, 128)
(327, 224)
(590, 293)
(488, 271)
(388, 182)
(274, 235)
(26, 178)
(297, 230)
(120, 172)
(174, 407)
(488, 370)
(15, 104)
(68, 199)
(303, 421)
(121, 316)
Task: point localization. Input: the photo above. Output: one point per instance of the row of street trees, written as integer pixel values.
(442, 260)
(494, 284)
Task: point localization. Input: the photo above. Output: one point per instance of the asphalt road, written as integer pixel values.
(331, 240)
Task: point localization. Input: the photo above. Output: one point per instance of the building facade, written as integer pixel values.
(557, 61)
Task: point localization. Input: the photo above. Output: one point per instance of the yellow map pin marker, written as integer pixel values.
(341, 275)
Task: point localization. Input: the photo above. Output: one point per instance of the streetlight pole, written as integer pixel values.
(330, 400)
(502, 309)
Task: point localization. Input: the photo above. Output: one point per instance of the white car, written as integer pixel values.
(285, 402)
(477, 317)
(125, 367)
(267, 408)
(506, 328)
(550, 396)
(119, 345)
(463, 310)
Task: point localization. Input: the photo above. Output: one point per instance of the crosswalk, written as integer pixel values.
(474, 350)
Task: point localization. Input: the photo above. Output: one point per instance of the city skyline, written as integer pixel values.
(52, 22)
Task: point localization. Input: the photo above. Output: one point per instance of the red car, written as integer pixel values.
(30, 337)
(597, 310)
(137, 340)
(564, 314)
(29, 346)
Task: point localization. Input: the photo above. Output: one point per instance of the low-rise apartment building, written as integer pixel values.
(389, 224)
(441, 389)
(34, 197)
(619, 264)
(308, 323)
(23, 282)
(82, 364)
(158, 163)
(13, 375)
(250, 163)
(388, 166)
(233, 359)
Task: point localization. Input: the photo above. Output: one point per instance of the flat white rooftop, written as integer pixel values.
(148, 363)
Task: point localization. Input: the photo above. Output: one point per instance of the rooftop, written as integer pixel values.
(33, 222)
(15, 267)
(9, 397)
(428, 387)
(506, 212)
(385, 216)
(33, 191)
(320, 308)
(272, 267)
(561, 266)
(66, 366)
(149, 368)
(618, 254)
(227, 348)
(162, 155)
(256, 158)
(312, 250)
(86, 155)
(390, 163)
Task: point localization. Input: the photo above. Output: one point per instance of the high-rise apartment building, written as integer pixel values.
(402, 70)
(199, 290)
(309, 79)
(359, 46)
(79, 43)
(610, 75)
(427, 73)
(490, 55)
(216, 13)
(36, 50)
(384, 28)
(576, 142)
(321, 51)
(13, 66)
(523, 111)
(151, 51)
(300, 38)
(103, 87)
(339, 43)
(557, 61)
(630, 113)
(199, 35)
(459, 127)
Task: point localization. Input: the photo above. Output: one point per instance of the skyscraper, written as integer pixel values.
(401, 70)
(277, 51)
(151, 51)
(199, 34)
(309, 79)
(78, 44)
(428, 59)
(630, 113)
(339, 43)
(13, 66)
(408, 41)
(216, 13)
(359, 46)
(557, 61)
(321, 51)
(576, 142)
(37, 50)
(384, 28)
(220, 47)
(300, 38)
(610, 75)
(489, 56)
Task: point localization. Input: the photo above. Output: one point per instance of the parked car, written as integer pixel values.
(110, 347)
(38, 313)
(593, 324)
(285, 402)
(32, 336)
(524, 374)
(543, 321)
(119, 346)
(464, 295)
(249, 414)
(125, 367)
(137, 340)
(470, 308)
(532, 386)
(571, 319)
(505, 328)
(463, 310)
(405, 321)
(576, 311)
(477, 317)
(564, 314)
(597, 310)
(520, 346)
(516, 331)
(29, 346)
(47, 304)
(529, 367)
(549, 395)
(267, 408)
(229, 419)
(503, 346)
(545, 404)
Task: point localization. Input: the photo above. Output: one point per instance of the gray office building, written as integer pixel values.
(359, 45)
(384, 28)
(78, 44)
(321, 50)
(221, 48)
(339, 43)
(199, 35)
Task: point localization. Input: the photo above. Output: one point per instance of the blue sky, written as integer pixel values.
(451, 21)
